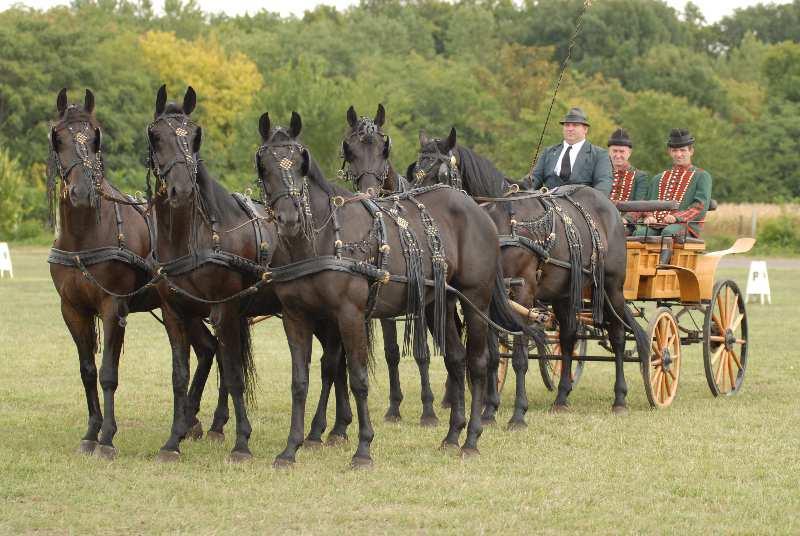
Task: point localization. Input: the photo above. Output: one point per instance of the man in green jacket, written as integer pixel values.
(574, 160)
(685, 183)
(628, 183)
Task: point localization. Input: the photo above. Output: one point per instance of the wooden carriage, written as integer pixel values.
(667, 298)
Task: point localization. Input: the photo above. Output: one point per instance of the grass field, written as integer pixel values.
(705, 465)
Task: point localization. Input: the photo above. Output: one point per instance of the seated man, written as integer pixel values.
(575, 160)
(629, 183)
(685, 183)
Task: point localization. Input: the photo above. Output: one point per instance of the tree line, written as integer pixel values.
(487, 67)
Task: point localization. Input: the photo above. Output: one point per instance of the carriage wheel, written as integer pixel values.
(550, 369)
(725, 339)
(661, 368)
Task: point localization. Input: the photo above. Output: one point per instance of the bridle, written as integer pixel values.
(180, 125)
(363, 132)
(91, 161)
(448, 172)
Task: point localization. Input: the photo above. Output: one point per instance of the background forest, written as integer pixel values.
(485, 67)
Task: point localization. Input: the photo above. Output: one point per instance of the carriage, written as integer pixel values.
(668, 300)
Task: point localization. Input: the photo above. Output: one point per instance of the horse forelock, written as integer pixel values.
(75, 114)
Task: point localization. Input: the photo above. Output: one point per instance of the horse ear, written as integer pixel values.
(380, 116)
(352, 118)
(61, 101)
(88, 101)
(423, 138)
(295, 125)
(198, 140)
(263, 127)
(451, 139)
(98, 140)
(161, 99)
(189, 101)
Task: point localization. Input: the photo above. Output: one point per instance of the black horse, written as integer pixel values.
(558, 243)
(213, 249)
(98, 267)
(383, 237)
(366, 165)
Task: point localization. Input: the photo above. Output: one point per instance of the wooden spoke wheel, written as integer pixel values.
(661, 367)
(725, 339)
(550, 369)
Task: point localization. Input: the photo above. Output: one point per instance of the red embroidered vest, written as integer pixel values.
(622, 187)
(672, 187)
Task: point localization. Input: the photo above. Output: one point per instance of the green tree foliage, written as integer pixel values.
(12, 182)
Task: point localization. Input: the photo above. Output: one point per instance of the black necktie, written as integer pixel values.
(566, 170)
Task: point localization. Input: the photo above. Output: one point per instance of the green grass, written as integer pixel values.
(704, 465)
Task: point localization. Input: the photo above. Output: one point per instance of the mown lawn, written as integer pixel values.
(705, 465)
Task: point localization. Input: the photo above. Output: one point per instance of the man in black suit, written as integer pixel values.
(574, 160)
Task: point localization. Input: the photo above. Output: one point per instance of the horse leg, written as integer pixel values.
(354, 336)
(392, 352)
(179, 342)
(331, 349)
(233, 333)
(454, 363)
(492, 398)
(616, 336)
(82, 329)
(204, 346)
(344, 414)
(476, 358)
(519, 360)
(114, 314)
(298, 334)
(423, 359)
(566, 339)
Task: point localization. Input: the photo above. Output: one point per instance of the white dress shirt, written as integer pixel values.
(573, 154)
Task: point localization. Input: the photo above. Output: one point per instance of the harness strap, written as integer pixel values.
(88, 257)
(192, 261)
(262, 255)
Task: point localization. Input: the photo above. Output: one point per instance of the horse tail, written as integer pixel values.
(642, 344)
(501, 313)
(249, 376)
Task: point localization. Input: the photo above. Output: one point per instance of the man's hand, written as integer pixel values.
(650, 220)
(669, 218)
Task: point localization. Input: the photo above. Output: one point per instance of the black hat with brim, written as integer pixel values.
(620, 137)
(679, 137)
(575, 115)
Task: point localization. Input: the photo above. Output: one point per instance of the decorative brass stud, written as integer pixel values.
(180, 131)
(285, 163)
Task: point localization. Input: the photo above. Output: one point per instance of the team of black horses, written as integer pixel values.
(328, 260)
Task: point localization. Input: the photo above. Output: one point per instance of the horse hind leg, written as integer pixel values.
(476, 362)
(454, 362)
(567, 338)
(616, 336)
(391, 351)
(205, 346)
(81, 327)
(519, 361)
(492, 397)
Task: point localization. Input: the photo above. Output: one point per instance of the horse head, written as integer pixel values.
(365, 151)
(174, 141)
(75, 157)
(282, 164)
(436, 163)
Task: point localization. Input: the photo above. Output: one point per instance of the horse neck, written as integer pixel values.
(174, 228)
(79, 228)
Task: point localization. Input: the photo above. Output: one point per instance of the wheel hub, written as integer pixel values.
(730, 339)
(666, 359)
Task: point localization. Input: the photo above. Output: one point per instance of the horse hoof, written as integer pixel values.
(312, 443)
(168, 456)
(217, 437)
(449, 448)
(87, 446)
(392, 417)
(517, 424)
(467, 452)
(195, 432)
(335, 440)
(488, 421)
(282, 463)
(361, 462)
(105, 452)
(559, 408)
(619, 410)
(429, 421)
(238, 456)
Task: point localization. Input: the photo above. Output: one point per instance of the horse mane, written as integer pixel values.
(479, 175)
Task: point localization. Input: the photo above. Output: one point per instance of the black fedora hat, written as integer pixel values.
(575, 115)
(679, 137)
(620, 137)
